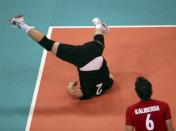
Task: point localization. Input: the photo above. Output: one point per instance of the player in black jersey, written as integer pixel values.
(94, 75)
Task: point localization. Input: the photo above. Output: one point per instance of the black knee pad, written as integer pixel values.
(99, 38)
(46, 43)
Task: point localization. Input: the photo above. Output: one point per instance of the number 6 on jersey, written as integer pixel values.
(149, 123)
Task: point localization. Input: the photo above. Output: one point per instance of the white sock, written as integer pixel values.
(98, 26)
(25, 27)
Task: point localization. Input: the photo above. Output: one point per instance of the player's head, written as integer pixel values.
(143, 88)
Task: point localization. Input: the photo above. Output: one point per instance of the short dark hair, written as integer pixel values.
(143, 88)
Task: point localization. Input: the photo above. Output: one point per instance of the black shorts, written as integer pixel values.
(80, 55)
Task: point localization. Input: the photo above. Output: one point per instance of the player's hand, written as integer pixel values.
(73, 83)
(111, 76)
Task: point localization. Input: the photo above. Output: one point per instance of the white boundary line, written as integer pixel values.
(121, 26)
(30, 115)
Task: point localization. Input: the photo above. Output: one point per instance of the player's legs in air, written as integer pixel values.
(50, 45)
(66, 52)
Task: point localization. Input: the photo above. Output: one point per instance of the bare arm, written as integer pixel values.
(169, 125)
(129, 128)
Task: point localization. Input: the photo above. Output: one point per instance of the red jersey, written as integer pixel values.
(148, 115)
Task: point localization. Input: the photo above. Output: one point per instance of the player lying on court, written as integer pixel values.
(94, 75)
(148, 114)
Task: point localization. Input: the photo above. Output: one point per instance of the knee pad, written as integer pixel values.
(46, 43)
(99, 38)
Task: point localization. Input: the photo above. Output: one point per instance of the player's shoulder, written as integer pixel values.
(162, 103)
(149, 102)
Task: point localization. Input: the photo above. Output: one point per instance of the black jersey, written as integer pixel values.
(95, 83)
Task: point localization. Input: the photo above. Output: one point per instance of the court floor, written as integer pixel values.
(133, 48)
(130, 52)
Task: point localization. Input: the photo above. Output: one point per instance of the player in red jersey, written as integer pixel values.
(148, 114)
